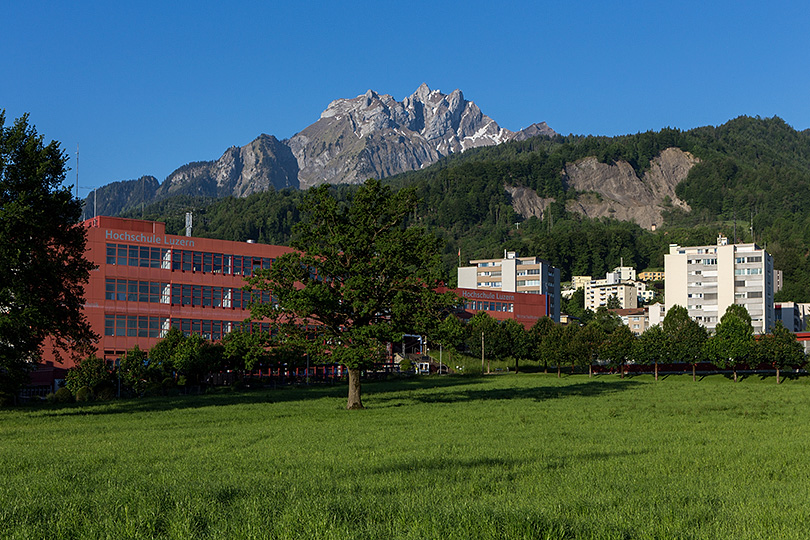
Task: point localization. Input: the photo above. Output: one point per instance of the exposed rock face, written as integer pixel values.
(615, 191)
(114, 197)
(527, 202)
(258, 166)
(373, 135)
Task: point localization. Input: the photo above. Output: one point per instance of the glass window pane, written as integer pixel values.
(132, 291)
(143, 326)
(207, 258)
(144, 257)
(122, 255)
(133, 255)
(110, 253)
(120, 325)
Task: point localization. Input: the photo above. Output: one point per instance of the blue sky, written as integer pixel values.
(145, 87)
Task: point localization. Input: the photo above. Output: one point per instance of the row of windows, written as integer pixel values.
(747, 271)
(706, 262)
(135, 326)
(142, 256)
(528, 283)
(185, 260)
(224, 297)
(489, 306)
(137, 291)
(156, 327)
(182, 295)
(741, 260)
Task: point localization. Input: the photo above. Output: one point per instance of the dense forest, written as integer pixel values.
(753, 181)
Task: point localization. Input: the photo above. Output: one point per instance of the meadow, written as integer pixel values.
(503, 456)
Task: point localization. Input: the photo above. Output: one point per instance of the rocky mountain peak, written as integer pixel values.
(371, 135)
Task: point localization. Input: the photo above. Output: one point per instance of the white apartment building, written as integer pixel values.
(707, 279)
(514, 274)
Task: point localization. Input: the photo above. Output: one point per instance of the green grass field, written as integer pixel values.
(507, 456)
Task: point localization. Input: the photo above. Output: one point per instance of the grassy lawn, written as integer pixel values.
(507, 456)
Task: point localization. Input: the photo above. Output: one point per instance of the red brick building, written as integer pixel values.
(147, 282)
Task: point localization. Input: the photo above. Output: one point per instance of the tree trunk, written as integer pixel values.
(656, 370)
(590, 371)
(558, 371)
(621, 370)
(693, 373)
(777, 374)
(354, 390)
(516, 365)
(734, 369)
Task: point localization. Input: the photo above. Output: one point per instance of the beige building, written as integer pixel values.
(598, 295)
(514, 274)
(707, 279)
(651, 276)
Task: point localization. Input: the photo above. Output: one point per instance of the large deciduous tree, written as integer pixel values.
(42, 256)
(361, 275)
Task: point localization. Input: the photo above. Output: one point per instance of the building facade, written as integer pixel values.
(707, 279)
(597, 295)
(146, 282)
(651, 276)
(514, 274)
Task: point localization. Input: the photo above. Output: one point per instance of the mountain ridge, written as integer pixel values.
(371, 135)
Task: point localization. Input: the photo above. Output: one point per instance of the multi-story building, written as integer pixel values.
(516, 274)
(146, 282)
(707, 279)
(597, 295)
(651, 276)
(634, 318)
(793, 315)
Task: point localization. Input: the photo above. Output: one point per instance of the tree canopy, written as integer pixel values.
(42, 255)
(361, 277)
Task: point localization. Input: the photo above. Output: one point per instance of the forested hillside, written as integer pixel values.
(754, 170)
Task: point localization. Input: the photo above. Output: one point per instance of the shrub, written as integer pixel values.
(84, 394)
(63, 395)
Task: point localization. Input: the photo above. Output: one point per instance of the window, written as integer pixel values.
(144, 257)
(132, 291)
(111, 253)
(133, 255)
(755, 294)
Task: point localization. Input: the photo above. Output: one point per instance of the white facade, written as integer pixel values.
(514, 274)
(707, 279)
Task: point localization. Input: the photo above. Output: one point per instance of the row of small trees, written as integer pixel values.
(175, 360)
(604, 340)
